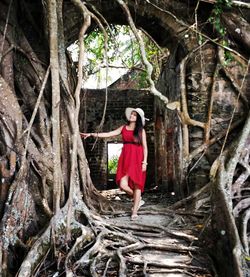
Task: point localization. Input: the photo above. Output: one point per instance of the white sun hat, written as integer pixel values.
(128, 112)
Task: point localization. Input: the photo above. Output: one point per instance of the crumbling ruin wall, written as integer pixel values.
(216, 90)
(92, 105)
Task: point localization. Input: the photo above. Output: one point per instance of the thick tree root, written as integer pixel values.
(116, 246)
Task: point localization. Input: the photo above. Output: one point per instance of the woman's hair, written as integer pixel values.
(138, 129)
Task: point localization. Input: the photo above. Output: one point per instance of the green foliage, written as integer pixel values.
(143, 79)
(219, 7)
(228, 57)
(112, 165)
(215, 17)
(201, 39)
(122, 49)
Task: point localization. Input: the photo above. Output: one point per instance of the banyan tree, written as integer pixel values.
(50, 208)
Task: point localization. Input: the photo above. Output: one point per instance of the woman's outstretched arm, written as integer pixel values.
(113, 133)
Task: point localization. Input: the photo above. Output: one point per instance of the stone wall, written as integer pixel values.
(199, 80)
(167, 130)
(167, 166)
(205, 89)
(92, 105)
(201, 83)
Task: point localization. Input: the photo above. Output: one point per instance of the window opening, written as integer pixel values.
(123, 58)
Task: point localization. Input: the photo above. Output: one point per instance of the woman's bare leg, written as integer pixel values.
(124, 185)
(137, 198)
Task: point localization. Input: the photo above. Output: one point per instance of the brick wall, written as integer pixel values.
(92, 105)
(168, 132)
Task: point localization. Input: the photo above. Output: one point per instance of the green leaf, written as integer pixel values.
(122, 47)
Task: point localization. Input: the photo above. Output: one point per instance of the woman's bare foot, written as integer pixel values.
(134, 216)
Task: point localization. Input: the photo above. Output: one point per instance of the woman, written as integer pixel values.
(132, 164)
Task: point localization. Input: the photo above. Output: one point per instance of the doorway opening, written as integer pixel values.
(114, 151)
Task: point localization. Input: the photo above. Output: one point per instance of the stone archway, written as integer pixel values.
(195, 75)
(167, 32)
(43, 164)
(173, 32)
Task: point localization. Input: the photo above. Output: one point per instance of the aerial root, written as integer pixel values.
(164, 265)
(156, 231)
(100, 247)
(113, 249)
(54, 232)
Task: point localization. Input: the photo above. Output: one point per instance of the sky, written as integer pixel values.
(114, 149)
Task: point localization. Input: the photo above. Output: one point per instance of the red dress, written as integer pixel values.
(130, 161)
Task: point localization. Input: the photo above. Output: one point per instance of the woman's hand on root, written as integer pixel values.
(85, 135)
